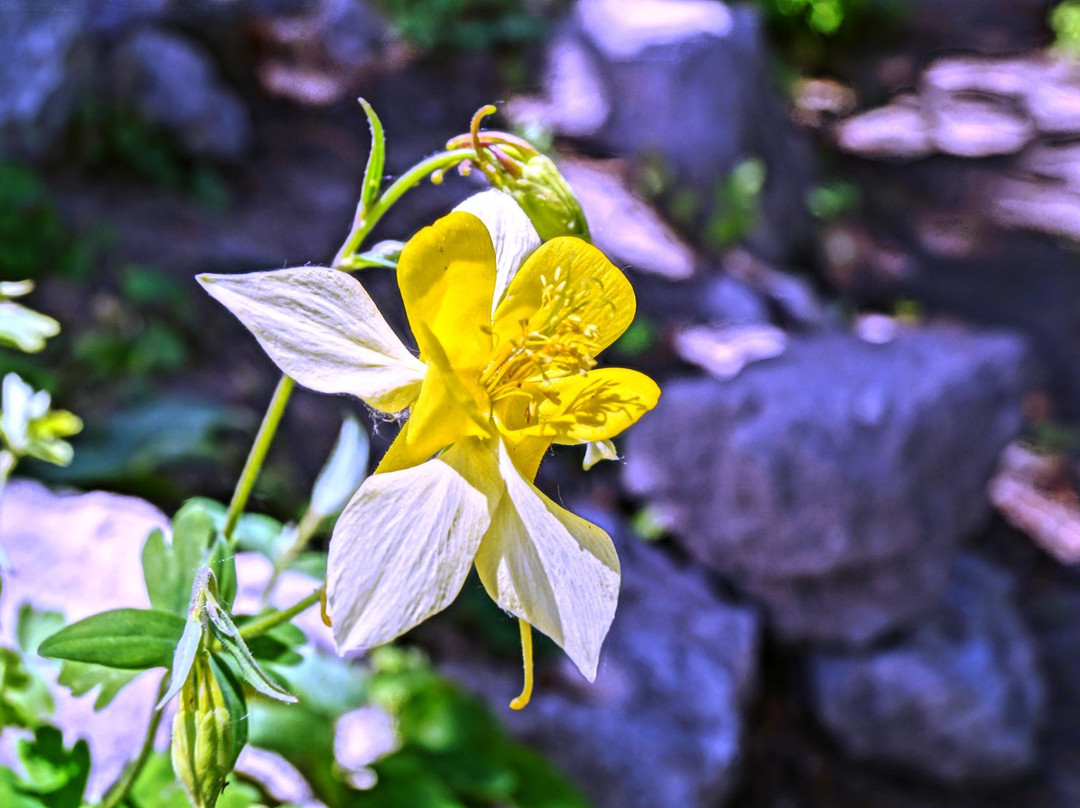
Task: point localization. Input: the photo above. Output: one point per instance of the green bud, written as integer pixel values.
(515, 166)
(203, 742)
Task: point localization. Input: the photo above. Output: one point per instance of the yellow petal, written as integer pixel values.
(587, 407)
(595, 291)
(447, 277)
(550, 568)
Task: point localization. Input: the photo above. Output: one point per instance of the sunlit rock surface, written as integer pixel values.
(833, 483)
(961, 698)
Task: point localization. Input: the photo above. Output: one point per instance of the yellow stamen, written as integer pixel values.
(527, 660)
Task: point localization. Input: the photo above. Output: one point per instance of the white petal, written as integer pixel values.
(404, 545)
(511, 231)
(553, 569)
(597, 450)
(321, 327)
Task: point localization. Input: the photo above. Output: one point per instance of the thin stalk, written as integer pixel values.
(366, 220)
(119, 790)
(257, 454)
(258, 627)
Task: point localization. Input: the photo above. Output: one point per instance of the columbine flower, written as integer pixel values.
(507, 367)
(29, 427)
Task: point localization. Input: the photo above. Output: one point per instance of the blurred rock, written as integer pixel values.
(897, 131)
(685, 82)
(661, 726)
(723, 352)
(793, 295)
(960, 699)
(174, 84)
(43, 71)
(322, 53)
(730, 301)
(833, 483)
(627, 229)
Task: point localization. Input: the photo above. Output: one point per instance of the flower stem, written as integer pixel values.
(366, 219)
(257, 454)
(119, 790)
(258, 627)
(522, 701)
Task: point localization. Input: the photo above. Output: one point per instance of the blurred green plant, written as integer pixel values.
(833, 200)
(737, 205)
(107, 138)
(469, 25)
(1064, 20)
(34, 237)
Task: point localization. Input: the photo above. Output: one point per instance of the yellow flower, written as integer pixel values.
(507, 367)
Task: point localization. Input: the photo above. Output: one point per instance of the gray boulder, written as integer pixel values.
(662, 723)
(43, 71)
(961, 699)
(174, 84)
(687, 83)
(833, 483)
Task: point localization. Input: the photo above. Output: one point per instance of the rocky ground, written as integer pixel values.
(838, 612)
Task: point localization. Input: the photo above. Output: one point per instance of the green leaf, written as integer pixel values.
(277, 645)
(34, 625)
(24, 696)
(227, 633)
(129, 639)
(55, 774)
(169, 567)
(80, 678)
(376, 159)
(186, 650)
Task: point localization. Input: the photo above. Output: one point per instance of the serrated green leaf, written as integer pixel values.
(80, 678)
(129, 639)
(376, 159)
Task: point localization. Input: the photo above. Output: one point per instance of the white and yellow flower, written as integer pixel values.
(508, 331)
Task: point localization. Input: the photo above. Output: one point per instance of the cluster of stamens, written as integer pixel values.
(553, 344)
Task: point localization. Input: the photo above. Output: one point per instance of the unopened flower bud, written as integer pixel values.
(202, 736)
(514, 165)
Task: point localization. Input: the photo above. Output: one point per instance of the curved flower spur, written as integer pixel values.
(508, 331)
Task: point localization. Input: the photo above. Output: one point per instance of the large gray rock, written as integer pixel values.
(174, 84)
(42, 72)
(685, 81)
(661, 726)
(833, 483)
(960, 699)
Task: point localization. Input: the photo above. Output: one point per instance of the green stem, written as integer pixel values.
(257, 627)
(366, 220)
(119, 790)
(257, 454)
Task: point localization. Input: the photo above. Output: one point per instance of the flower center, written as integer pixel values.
(553, 344)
